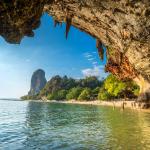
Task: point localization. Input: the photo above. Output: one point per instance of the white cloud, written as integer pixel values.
(97, 71)
(87, 55)
(91, 72)
(91, 59)
(94, 62)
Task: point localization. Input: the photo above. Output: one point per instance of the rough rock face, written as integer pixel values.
(38, 81)
(19, 17)
(123, 26)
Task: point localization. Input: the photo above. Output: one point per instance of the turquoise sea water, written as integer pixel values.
(46, 126)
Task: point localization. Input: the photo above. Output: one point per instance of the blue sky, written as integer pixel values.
(49, 50)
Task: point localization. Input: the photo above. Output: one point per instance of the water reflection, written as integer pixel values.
(36, 125)
(67, 126)
(126, 130)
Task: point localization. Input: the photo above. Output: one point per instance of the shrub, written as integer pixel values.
(74, 93)
(59, 95)
(104, 95)
(50, 97)
(114, 86)
(85, 94)
(29, 97)
(95, 93)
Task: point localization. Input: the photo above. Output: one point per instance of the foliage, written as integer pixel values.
(89, 82)
(74, 93)
(114, 88)
(132, 86)
(29, 97)
(59, 95)
(95, 93)
(90, 88)
(85, 94)
(103, 94)
(51, 96)
(136, 90)
(57, 83)
(73, 86)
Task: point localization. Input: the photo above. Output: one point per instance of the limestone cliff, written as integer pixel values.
(38, 82)
(123, 26)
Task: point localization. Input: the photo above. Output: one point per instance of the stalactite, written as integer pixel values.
(60, 23)
(56, 23)
(100, 48)
(68, 25)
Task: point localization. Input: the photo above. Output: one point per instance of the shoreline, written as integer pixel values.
(115, 104)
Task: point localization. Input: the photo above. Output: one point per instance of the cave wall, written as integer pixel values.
(123, 26)
(18, 18)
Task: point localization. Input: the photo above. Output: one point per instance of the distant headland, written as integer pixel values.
(87, 89)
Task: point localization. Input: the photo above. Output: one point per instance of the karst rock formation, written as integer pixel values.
(123, 26)
(38, 82)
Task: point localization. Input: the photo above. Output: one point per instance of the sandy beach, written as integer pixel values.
(127, 104)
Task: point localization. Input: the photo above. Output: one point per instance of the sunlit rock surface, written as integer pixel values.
(38, 82)
(123, 26)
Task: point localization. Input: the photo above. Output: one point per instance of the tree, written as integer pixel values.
(103, 94)
(85, 94)
(114, 86)
(95, 93)
(51, 96)
(53, 85)
(90, 88)
(58, 95)
(57, 83)
(30, 97)
(68, 83)
(136, 90)
(74, 93)
(90, 82)
(61, 95)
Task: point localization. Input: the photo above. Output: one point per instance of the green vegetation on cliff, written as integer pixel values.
(74, 93)
(86, 94)
(90, 88)
(114, 88)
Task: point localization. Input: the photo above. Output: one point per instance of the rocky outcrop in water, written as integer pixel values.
(38, 82)
(123, 26)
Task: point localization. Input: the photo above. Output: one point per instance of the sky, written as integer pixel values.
(49, 50)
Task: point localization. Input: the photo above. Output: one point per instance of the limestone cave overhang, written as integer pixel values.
(123, 26)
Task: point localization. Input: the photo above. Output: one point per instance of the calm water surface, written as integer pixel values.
(44, 126)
